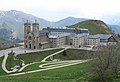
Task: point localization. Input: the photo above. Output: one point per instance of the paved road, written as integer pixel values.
(21, 50)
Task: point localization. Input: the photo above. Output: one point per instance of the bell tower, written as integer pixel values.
(35, 28)
(27, 28)
(35, 31)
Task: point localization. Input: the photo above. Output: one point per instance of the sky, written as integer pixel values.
(54, 10)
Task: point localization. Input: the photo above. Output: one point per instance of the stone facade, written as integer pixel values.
(34, 39)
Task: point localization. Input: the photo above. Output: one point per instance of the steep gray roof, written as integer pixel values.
(58, 34)
(92, 37)
(67, 30)
(104, 36)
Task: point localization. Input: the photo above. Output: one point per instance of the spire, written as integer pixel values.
(35, 21)
(26, 21)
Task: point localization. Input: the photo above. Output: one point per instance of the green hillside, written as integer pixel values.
(94, 26)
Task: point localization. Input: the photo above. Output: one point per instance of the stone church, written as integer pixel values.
(33, 38)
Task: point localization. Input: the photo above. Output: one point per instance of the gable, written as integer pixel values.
(111, 39)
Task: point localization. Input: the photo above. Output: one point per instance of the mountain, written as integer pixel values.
(68, 21)
(13, 22)
(115, 28)
(94, 26)
(112, 18)
(6, 33)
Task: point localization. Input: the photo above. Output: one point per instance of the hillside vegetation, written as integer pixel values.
(75, 54)
(94, 26)
(1, 71)
(4, 44)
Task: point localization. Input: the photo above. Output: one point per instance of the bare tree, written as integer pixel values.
(107, 62)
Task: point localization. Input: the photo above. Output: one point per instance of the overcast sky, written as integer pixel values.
(53, 10)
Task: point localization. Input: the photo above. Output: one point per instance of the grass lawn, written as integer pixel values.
(36, 56)
(28, 58)
(117, 79)
(75, 54)
(11, 62)
(75, 73)
(33, 67)
(1, 70)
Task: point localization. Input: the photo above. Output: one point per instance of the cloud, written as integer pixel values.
(55, 9)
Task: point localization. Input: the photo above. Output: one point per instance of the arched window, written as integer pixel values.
(30, 38)
(34, 47)
(26, 46)
(29, 45)
(40, 45)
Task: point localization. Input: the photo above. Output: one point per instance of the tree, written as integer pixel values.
(107, 62)
(118, 35)
(64, 53)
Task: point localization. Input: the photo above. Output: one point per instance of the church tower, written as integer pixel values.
(27, 29)
(35, 31)
(35, 28)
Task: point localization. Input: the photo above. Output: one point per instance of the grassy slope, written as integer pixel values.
(36, 56)
(11, 62)
(75, 54)
(1, 71)
(93, 26)
(33, 67)
(65, 74)
(75, 73)
(72, 54)
(28, 58)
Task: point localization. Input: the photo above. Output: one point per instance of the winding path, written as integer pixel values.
(74, 63)
(44, 60)
(47, 66)
(4, 65)
(17, 50)
(53, 54)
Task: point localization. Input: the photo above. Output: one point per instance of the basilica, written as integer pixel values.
(34, 38)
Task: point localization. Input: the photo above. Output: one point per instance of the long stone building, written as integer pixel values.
(57, 37)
